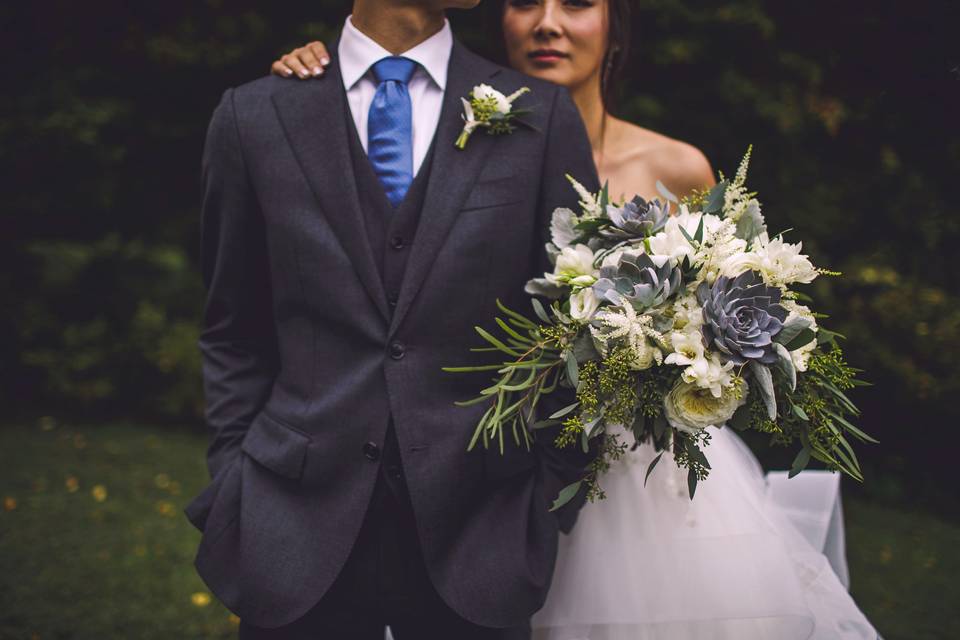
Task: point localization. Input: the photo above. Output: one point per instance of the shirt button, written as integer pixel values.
(396, 242)
(371, 451)
(396, 350)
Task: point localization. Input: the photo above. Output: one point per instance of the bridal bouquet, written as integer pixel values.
(668, 318)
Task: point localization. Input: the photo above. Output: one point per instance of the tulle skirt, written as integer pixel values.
(647, 563)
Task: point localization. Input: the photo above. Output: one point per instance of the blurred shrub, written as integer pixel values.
(852, 115)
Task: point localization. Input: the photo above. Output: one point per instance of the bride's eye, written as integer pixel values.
(521, 4)
(579, 4)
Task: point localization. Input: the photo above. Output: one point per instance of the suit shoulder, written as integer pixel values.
(259, 89)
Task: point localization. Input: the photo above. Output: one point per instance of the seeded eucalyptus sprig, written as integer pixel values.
(534, 369)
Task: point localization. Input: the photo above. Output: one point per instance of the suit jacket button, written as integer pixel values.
(392, 299)
(396, 242)
(371, 451)
(396, 350)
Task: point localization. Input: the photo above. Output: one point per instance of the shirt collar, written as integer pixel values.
(357, 52)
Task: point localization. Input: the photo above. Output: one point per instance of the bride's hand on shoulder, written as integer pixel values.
(304, 62)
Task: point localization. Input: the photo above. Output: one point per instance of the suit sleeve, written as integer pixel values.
(238, 338)
(567, 152)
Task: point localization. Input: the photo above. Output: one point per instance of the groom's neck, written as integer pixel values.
(396, 25)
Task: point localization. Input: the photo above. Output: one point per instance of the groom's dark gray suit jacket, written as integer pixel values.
(307, 357)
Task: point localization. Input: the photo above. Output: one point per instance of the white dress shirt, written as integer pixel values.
(357, 52)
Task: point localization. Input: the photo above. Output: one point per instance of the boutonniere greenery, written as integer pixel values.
(489, 109)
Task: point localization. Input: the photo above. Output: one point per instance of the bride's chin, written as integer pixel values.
(551, 74)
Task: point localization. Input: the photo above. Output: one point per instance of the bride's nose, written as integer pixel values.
(548, 26)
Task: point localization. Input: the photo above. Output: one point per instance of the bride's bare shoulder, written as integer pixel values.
(645, 154)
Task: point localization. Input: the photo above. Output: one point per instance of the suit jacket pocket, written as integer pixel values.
(276, 445)
(493, 193)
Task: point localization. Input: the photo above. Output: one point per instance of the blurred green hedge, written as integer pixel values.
(851, 110)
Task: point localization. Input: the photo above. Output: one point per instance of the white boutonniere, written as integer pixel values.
(489, 109)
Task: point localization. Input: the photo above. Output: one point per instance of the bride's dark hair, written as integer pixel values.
(618, 48)
(614, 58)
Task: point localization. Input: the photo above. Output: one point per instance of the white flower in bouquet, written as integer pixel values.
(691, 409)
(718, 246)
(671, 241)
(781, 263)
(636, 331)
(574, 266)
(702, 368)
(583, 304)
(687, 313)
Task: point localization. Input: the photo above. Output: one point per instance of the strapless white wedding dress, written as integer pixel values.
(647, 563)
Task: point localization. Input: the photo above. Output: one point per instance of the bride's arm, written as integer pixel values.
(303, 62)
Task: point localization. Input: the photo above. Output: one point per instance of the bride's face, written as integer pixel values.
(563, 41)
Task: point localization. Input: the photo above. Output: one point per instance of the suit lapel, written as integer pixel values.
(313, 115)
(452, 174)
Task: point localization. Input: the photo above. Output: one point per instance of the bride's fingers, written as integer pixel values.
(293, 63)
(309, 60)
(319, 51)
(280, 69)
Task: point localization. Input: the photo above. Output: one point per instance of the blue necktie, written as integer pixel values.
(389, 127)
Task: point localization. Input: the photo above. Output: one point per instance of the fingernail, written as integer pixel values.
(324, 61)
(287, 72)
(317, 71)
(303, 73)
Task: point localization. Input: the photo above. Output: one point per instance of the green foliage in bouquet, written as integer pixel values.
(667, 324)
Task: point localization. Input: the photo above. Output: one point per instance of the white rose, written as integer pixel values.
(690, 409)
(574, 266)
(781, 263)
(484, 91)
(735, 264)
(583, 304)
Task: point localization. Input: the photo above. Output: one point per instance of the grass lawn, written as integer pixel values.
(95, 545)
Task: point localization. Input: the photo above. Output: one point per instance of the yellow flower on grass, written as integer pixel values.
(200, 599)
(166, 508)
(234, 619)
(162, 480)
(99, 492)
(9, 503)
(72, 484)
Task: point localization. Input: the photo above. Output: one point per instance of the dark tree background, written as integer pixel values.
(852, 109)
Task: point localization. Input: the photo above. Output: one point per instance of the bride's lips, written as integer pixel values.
(547, 56)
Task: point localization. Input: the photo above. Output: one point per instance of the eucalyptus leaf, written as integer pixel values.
(651, 466)
(562, 232)
(540, 311)
(791, 328)
(691, 483)
(802, 338)
(800, 462)
(564, 411)
(573, 371)
(666, 193)
(660, 425)
(543, 287)
(764, 381)
(785, 365)
(715, 197)
(751, 223)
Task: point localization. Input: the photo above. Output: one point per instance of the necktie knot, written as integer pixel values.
(394, 68)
